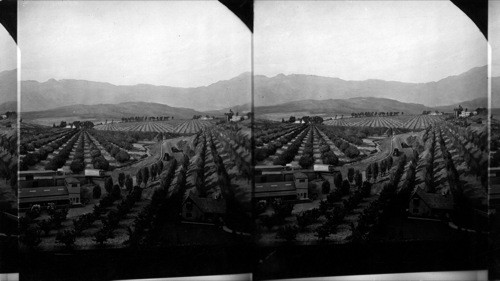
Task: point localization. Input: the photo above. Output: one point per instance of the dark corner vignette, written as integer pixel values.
(9, 254)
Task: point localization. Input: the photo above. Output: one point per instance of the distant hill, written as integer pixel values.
(470, 105)
(8, 86)
(343, 106)
(112, 111)
(296, 87)
(243, 108)
(38, 96)
(8, 106)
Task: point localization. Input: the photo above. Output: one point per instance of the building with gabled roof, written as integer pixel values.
(203, 209)
(430, 205)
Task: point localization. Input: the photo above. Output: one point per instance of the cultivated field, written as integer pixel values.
(172, 126)
(445, 160)
(141, 209)
(414, 122)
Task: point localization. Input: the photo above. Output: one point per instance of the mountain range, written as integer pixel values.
(296, 87)
(281, 93)
(38, 96)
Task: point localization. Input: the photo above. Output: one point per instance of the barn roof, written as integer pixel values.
(300, 175)
(435, 200)
(72, 180)
(209, 205)
(38, 192)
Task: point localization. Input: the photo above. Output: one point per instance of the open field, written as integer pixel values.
(172, 126)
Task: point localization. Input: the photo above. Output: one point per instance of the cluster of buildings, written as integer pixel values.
(50, 187)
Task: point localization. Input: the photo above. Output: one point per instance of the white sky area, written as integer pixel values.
(407, 41)
(8, 51)
(494, 36)
(173, 43)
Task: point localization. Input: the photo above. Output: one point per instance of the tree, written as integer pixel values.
(288, 232)
(383, 167)
(366, 190)
(121, 179)
(129, 184)
(306, 161)
(153, 171)
(375, 170)
(66, 237)
(346, 187)
(358, 178)
(312, 190)
(96, 192)
(350, 174)
(291, 119)
(116, 193)
(77, 166)
(369, 172)
(145, 175)
(108, 185)
(325, 187)
(390, 162)
(138, 177)
(31, 237)
(338, 181)
(122, 156)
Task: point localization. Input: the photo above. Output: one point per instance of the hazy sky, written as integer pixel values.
(494, 35)
(408, 41)
(173, 43)
(8, 51)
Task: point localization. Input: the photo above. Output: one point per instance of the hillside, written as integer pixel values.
(343, 106)
(8, 86)
(8, 106)
(112, 111)
(38, 96)
(450, 90)
(470, 105)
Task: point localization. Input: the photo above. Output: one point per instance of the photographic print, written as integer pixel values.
(135, 138)
(371, 137)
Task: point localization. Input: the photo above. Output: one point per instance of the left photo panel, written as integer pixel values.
(135, 137)
(8, 140)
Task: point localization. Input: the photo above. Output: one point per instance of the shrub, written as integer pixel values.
(95, 153)
(352, 152)
(350, 174)
(77, 166)
(306, 161)
(31, 237)
(101, 163)
(325, 187)
(129, 183)
(116, 193)
(121, 179)
(115, 150)
(96, 192)
(66, 237)
(108, 185)
(288, 232)
(346, 187)
(122, 156)
(330, 158)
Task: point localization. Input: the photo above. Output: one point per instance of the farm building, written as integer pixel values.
(430, 205)
(199, 209)
(61, 190)
(465, 114)
(281, 184)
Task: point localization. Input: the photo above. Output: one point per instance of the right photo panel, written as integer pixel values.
(370, 138)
